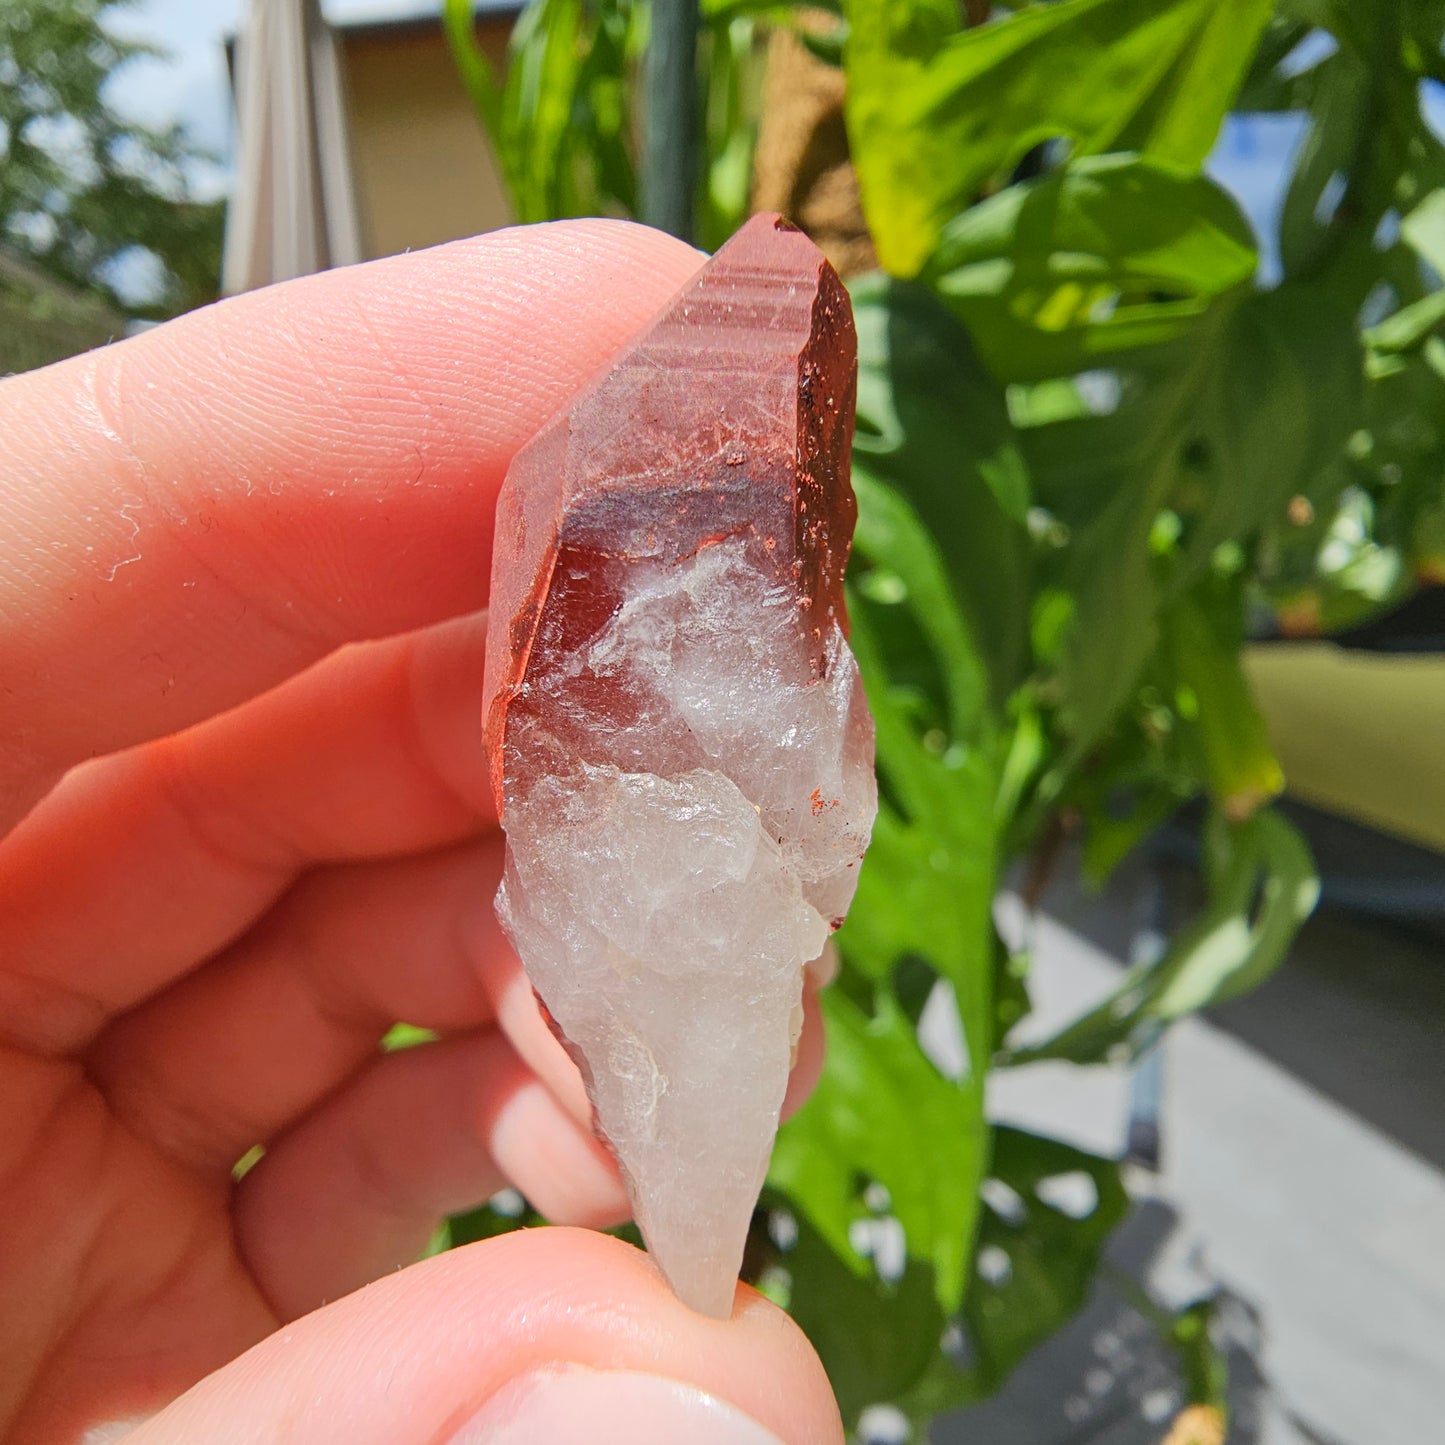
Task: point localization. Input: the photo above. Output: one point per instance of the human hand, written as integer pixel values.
(251, 829)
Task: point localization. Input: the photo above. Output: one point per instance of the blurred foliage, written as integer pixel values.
(44, 320)
(1095, 441)
(563, 120)
(82, 187)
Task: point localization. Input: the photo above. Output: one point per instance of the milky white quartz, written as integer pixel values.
(695, 805)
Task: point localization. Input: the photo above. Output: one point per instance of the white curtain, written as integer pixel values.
(293, 208)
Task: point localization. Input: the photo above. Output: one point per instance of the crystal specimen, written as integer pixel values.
(680, 745)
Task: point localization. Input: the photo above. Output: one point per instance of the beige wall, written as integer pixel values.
(425, 173)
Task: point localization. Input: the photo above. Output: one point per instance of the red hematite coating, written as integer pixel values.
(731, 414)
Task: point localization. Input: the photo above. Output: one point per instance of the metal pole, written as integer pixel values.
(670, 98)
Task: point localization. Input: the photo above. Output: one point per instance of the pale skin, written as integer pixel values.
(247, 826)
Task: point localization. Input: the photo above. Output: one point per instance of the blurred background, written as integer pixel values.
(1134, 1123)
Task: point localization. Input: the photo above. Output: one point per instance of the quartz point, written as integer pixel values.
(679, 742)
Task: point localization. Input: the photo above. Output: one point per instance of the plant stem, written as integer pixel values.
(670, 96)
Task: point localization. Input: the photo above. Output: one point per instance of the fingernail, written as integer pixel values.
(607, 1407)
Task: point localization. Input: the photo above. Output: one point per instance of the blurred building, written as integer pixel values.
(425, 172)
(423, 167)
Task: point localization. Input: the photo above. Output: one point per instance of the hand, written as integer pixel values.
(241, 558)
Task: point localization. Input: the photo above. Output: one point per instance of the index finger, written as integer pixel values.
(192, 515)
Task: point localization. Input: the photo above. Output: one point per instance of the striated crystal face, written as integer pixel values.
(682, 750)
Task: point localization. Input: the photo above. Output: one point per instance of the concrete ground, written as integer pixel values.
(1301, 1175)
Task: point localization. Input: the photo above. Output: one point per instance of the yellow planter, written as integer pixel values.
(1362, 734)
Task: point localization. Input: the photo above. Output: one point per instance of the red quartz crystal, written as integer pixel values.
(731, 415)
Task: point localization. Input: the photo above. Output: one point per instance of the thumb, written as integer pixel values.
(538, 1338)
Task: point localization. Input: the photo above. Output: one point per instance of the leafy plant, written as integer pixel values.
(83, 187)
(1093, 439)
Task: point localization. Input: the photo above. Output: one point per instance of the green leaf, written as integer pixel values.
(1046, 1254)
(563, 131)
(483, 88)
(1108, 572)
(1369, 150)
(1265, 88)
(1409, 326)
(1202, 655)
(918, 375)
(877, 1341)
(1262, 888)
(1191, 726)
(1326, 156)
(780, 12)
(1222, 426)
(1132, 786)
(1424, 229)
(1281, 398)
(934, 113)
(487, 1222)
(730, 128)
(882, 1112)
(905, 566)
(1203, 1363)
(1061, 274)
(1032, 1269)
(927, 886)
